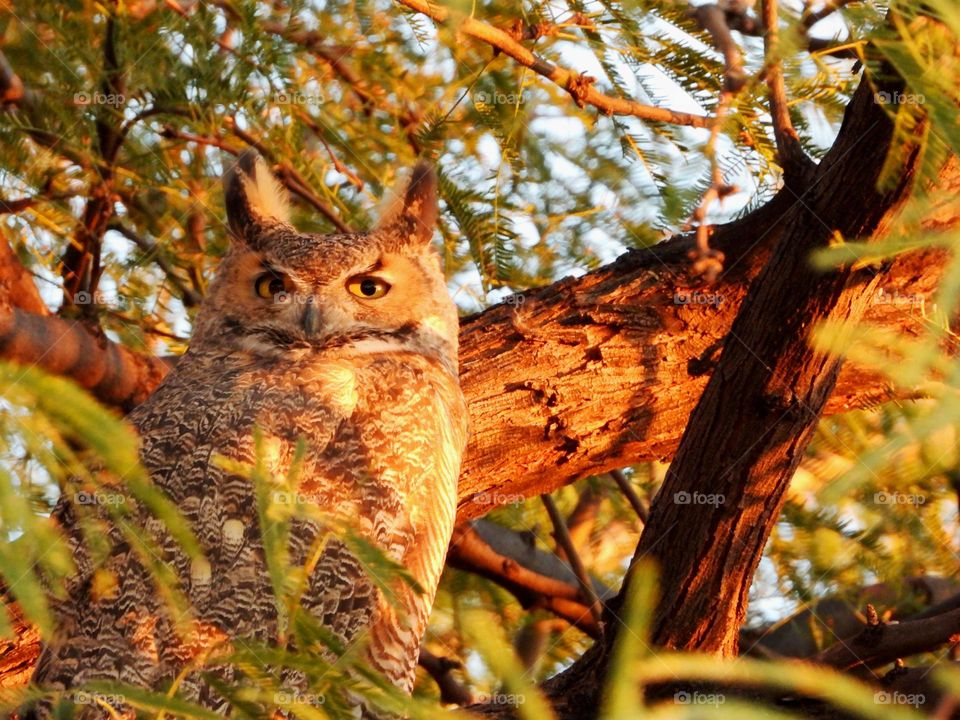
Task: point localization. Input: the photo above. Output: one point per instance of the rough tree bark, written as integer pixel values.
(750, 428)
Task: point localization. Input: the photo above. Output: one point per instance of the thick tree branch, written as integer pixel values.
(711, 518)
(584, 376)
(577, 84)
(115, 374)
(881, 643)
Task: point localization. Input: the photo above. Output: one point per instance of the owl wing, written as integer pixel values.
(407, 436)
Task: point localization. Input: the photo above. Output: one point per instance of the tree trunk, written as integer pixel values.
(711, 519)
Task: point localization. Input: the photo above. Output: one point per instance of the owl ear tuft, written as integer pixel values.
(253, 195)
(411, 215)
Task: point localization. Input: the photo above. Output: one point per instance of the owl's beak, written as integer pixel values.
(310, 320)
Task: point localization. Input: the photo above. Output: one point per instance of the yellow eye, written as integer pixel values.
(368, 287)
(270, 286)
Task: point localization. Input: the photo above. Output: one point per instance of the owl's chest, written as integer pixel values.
(326, 400)
(360, 427)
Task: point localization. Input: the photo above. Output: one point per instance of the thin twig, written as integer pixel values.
(790, 154)
(441, 670)
(708, 261)
(714, 20)
(293, 181)
(638, 505)
(338, 165)
(562, 536)
(151, 250)
(811, 18)
(579, 85)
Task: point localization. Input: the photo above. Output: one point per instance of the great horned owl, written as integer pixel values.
(347, 343)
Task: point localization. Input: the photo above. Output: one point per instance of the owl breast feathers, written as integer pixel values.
(332, 357)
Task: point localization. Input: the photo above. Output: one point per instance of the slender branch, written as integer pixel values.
(338, 165)
(188, 295)
(289, 175)
(441, 670)
(714, 20)
(579, 85)
(535, 578)
(562, 535)
(638, 505)
(370, 96)
(811, 18)
(291, 179)
(315, 42)
(790, 154)
(708, 261)
(582, 520)
(81, 261)
(738, 18)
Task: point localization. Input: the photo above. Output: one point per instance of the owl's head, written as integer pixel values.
(279, 290)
